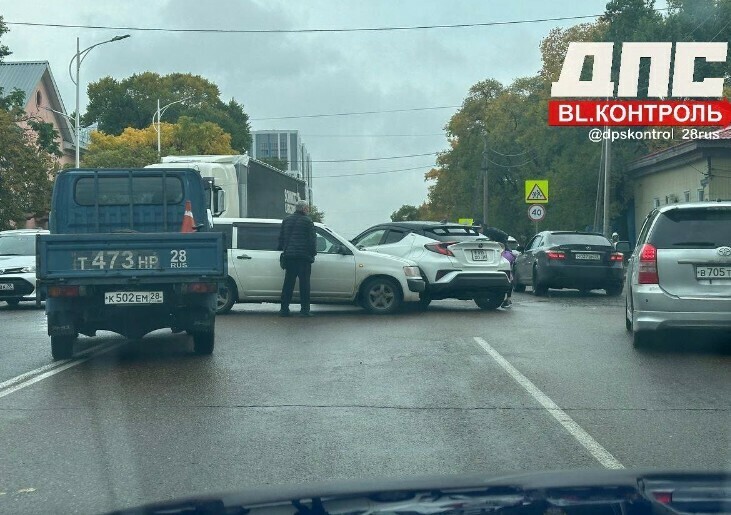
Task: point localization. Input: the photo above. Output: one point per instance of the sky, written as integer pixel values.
(298, 74)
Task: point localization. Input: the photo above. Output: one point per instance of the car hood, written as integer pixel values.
(9, 262)
(579, 491)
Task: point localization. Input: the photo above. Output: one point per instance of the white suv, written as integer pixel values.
(457, 262)
(341, 273)
(18, 265)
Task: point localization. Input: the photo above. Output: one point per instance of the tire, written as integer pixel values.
(226, 297)
(13, 303)
(614, 290)
(62, 347)
(517, 286)
(424, 301)
(539, 289)
(643, 339)
(381, 296)
(203, 343)
(489, 303)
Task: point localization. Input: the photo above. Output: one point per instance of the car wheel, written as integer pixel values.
(614, 291)
(424, 301)
(203, 343)
(517, 286)
(643, 339)
(490, 303)
(62, 347)
(13, 303)
(381, 296)
(226, 297)
(539, 289)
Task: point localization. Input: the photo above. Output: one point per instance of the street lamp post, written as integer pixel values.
(158, 114)
(79, 58)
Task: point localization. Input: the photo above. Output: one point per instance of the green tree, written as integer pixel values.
(316, 214)
(279, 164)
(405, 213)
(132, 102)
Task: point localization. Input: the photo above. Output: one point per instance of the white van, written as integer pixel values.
(341, 273)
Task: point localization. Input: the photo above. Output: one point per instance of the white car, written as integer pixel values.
(455, 260)
(341, 273)
(18, 265)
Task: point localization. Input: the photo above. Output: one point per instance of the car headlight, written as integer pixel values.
(28, 269)
(412, 271)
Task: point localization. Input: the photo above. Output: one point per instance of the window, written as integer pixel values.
(257, 237)
(394, 236)
(701, 194)
(578, 239)
(371, 238)
(114, 191)
(18, 245)
(327, 244)
(656, 202)
(692, 228)
(453, 233)
(686, 195)
(39, 98)
(535, 242)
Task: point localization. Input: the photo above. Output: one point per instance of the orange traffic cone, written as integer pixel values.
(188, 220)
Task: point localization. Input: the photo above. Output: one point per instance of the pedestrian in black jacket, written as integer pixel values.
(298, 246)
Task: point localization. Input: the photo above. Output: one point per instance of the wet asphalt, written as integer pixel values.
(346, 395)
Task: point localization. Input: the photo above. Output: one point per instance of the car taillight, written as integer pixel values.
(64, 291)
(440, 248)
(555, 254)
(616, 256)
(200, 288)
(648, 265)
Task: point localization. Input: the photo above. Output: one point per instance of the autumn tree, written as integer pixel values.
(132, 102)
(316, 214)
(405, 213)
(138, 147)
(27, 151)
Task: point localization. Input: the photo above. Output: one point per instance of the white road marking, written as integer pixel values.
(46, 371)
(585, 439)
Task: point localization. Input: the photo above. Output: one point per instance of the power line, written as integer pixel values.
(425, 167)
(354, 113)
(372, 158)
(306, 31)
(510, 155)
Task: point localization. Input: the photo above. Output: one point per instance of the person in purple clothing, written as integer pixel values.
(502, 238)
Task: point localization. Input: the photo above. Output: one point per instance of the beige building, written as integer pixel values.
(692, 171)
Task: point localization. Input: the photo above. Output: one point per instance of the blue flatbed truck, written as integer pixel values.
(116, 259)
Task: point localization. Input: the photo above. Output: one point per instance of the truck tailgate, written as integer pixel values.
(152, 257)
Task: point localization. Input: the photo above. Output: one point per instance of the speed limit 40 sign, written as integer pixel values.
(536, 212)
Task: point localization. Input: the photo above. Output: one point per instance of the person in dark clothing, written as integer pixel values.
(297, 241)
(502, 237)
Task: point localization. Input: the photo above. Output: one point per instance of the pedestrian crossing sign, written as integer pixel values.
(536, 191)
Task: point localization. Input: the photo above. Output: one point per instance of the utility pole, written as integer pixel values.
(607, 169)
(484, 182)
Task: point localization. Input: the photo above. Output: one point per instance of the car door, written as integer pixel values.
(333, 272)
(528, 259)
(255, 260)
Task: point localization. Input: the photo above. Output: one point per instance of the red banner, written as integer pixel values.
(627, 113)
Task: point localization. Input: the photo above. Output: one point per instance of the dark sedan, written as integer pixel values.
(562, 259)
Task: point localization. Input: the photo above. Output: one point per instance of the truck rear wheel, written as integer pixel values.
(62, 347)
(203, 343)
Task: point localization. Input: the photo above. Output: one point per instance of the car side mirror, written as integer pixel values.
(519, 248)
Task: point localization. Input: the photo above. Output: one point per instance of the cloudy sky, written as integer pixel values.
(295, 74)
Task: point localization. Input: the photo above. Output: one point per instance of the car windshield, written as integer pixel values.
(18, 245)
(577, 239)
(689, 228)
(269, 253)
